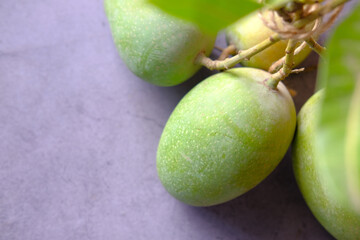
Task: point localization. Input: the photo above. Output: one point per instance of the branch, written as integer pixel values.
(242, 55)
(279, 63)
(247, 54)
(320, 12)
(296, 71)
(229, 50)
(286, 69)
(316, 46)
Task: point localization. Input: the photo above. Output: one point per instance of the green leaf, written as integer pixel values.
(338, 135)
(211, 15)
(275, 3)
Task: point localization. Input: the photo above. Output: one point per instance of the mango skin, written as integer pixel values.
(224, 137)
(249, 31)
(157, 47)
(338, 219)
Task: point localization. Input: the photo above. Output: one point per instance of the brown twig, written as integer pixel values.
(315, 46)
(278, 64)
(242, 55)
(296, 30)
(286, 69)
(229, 50)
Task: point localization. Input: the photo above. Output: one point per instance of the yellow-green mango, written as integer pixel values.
(337, 217)
(155, 46)
(225, 136)
(249, 31)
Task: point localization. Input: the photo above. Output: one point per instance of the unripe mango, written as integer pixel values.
(339, 218)
(157, 47)
(249, 31)
(224, 137)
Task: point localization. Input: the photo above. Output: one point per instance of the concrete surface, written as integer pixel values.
(78, 139)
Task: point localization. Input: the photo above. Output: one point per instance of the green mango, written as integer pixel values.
(157, 47)
(338, 217)
(224, 137)
(249, 31)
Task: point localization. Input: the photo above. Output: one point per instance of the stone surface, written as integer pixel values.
(78, 139)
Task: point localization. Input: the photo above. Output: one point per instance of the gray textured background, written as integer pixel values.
(78, 139)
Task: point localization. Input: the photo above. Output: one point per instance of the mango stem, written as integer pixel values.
(316, 46)
(242, 55)
(287, 66)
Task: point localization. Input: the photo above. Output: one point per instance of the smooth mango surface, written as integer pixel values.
(224, 137)
(157, 47)
(340, 219)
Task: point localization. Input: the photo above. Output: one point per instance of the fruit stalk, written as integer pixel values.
(229, 50)
(276, 66)
(287, 66)
(316, 46)
(242, 55)
(247, 54)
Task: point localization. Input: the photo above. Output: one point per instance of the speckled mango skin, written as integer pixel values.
(224, 137)
(249, 31)
(157, 47)
(338, 219)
